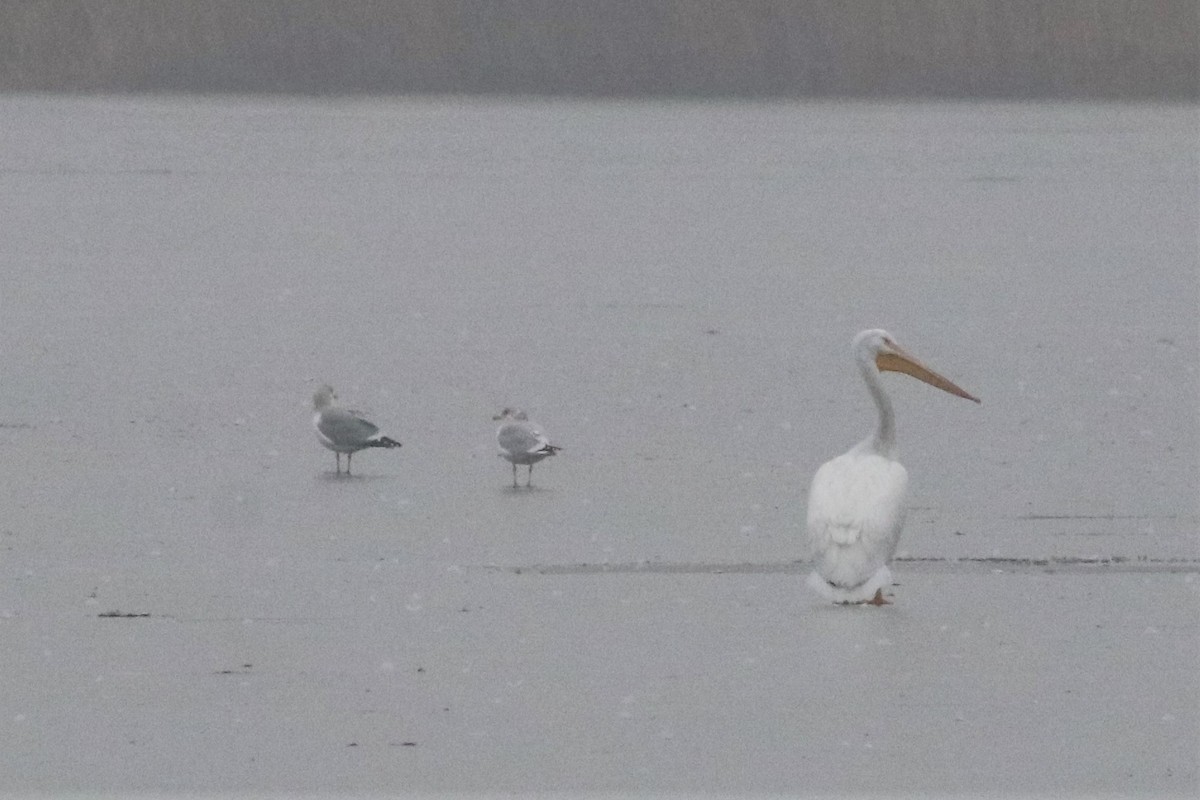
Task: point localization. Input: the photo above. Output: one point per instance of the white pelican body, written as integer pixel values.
(855, 515)
(856, 501)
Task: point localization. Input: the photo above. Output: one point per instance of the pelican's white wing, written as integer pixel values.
(855, 515)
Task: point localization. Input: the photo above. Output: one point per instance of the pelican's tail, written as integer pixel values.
(851, 594)
(383, 441)
(844, 534)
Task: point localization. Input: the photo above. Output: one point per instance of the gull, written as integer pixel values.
(344, 431)
(521, 442)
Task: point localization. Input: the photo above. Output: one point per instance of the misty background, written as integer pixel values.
(1098, 49)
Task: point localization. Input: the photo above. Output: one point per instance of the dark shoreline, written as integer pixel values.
(919, 49)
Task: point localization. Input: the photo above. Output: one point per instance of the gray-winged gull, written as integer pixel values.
(344, 431)
(521, 442)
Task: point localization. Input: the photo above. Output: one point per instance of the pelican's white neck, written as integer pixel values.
(883, 440)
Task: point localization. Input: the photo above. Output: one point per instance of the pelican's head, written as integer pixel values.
(324, 397)
(877, 346)
(511, 413)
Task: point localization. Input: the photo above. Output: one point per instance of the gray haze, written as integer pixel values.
(671, 290)
(817, 48)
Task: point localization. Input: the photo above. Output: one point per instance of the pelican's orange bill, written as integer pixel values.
(900, 361)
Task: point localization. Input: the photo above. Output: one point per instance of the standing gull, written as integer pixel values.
(856, 503)
(521, 442)
(344, 431)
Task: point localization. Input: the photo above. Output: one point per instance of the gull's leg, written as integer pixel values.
(515, 484)
(338, 456)
(529, 478)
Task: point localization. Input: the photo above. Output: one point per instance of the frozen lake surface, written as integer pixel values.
(671, 290)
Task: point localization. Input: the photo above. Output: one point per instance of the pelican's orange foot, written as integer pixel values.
(878, 600)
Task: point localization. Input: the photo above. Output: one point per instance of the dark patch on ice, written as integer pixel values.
(644, 305)
(244, 670)
(124, 614)
(993, 179)
(355, 477)
(1108, 564)
(1043, 517)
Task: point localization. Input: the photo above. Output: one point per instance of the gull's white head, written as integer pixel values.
(877, 347)
(324, 397)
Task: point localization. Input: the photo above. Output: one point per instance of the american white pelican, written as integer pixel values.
(856, 502)
(521, 442)
(344, 431)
